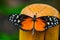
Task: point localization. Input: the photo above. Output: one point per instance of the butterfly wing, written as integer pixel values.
(39, 25)
(45, 22)
(15, 19)
(22, 21)
(50, 21)
(27, 24)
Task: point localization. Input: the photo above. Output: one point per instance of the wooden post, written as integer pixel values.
(41, 10)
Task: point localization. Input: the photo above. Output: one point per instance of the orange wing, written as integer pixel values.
(27, 24)
(39, 25)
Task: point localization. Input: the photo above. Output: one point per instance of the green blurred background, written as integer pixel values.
(9, 31)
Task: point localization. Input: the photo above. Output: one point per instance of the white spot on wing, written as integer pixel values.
(48, 23)
(18, 21)
(50, 19)
(52, 23)
(14, 20)
(17, 16)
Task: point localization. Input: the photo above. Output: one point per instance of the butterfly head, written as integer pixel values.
(34, 18)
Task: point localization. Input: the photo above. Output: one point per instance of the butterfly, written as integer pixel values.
(28, 23)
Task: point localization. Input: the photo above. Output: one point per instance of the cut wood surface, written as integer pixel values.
(40, 10)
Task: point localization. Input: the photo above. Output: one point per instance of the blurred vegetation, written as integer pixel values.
(5, 36)
(7, 10)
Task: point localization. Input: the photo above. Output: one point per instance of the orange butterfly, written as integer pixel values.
(26, 22)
